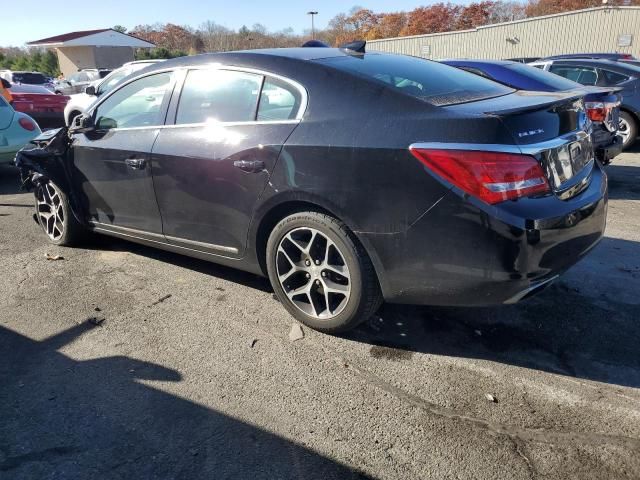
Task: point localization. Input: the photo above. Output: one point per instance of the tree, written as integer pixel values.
(474, 15)
(439, 17)
(536, 8)
(119, 28)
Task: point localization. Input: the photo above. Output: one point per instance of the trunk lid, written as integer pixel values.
(551, 126)
(38, 102)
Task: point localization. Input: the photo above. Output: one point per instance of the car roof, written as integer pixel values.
(300, 54)
(469, 61)
(608, 64)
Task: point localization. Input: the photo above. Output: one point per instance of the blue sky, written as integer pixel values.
(34, 19)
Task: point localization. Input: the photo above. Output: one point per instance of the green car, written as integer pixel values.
(16, 129)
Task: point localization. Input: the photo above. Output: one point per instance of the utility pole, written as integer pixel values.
(313, 29)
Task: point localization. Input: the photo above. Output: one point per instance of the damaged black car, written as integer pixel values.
(346, 177)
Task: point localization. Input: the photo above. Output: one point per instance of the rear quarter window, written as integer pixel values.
(614, 78)
(433, 82)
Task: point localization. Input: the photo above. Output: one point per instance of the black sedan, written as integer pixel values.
(345, 177)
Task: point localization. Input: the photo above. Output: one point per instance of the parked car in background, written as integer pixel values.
(77, 82)
(604, 56)
(4, 90)
(602, 103)
(41, 104)
(16, 130)
(27, 78)
(345, 177)
(605, 73)
(523, 59)
(78, 103)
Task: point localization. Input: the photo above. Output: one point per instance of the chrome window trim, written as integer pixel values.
(206, 124)
(214, 66)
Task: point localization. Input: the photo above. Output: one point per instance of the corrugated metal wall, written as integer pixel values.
(591, 30)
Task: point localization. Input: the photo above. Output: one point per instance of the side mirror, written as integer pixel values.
(5, 83)
(90, 90)
(81, 124)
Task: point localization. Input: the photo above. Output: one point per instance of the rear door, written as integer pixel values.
(212, 164)
(112, 167)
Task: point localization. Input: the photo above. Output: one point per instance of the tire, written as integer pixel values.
(315, 254)
(628, 129)
(72, 115)
(54, 215)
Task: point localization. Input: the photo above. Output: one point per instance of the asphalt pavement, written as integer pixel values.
(119, 361)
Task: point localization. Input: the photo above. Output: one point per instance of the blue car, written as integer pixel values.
(602, 104)
(605, 73)
(16, 130)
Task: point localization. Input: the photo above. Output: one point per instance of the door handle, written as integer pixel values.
(136, 163)
(251, 166)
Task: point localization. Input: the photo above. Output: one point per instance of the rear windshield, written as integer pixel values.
(29, 78)
(430, 81)
(552, 80)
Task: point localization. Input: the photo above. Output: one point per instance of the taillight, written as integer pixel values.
(491, 176)
(27, 124)
(597, 111)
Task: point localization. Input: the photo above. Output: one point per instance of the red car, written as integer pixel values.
(39, 103)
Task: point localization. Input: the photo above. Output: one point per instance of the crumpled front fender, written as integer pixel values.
(47, 158)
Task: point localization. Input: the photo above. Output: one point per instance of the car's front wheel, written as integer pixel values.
(628, 130)
(320, 273)
(54, 215)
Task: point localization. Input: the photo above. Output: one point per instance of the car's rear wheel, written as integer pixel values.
(628, 129)
(54, 215)
(320, 273)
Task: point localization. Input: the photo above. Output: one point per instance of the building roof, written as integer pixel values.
(106, 37)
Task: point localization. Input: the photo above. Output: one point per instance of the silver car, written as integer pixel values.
(77, 82)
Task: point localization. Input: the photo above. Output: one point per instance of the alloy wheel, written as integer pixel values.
(624, 130)
(313, 273)
(50, 211)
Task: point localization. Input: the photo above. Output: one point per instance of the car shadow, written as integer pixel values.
(79, 419)
(9, 180)
(106, 243)
(561, 330)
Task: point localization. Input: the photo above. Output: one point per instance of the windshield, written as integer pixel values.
(29, 78)
(550, 79)
(432, 82)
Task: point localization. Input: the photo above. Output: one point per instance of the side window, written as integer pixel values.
(278, 101)
(138, 104)
(613, 78)
(218, 96)
(583, 75)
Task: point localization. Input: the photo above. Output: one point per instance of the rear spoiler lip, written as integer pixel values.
(554, 99)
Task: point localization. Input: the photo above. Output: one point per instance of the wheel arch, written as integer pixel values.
(289, 203)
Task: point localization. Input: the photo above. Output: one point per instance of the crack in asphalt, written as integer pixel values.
(514, 432)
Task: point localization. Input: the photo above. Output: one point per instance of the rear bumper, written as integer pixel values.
(464, 252)
(48, 119)
(607, 151)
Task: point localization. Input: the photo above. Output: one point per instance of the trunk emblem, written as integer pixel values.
(528, 133)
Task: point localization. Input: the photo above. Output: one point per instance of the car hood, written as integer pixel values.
(81, 100)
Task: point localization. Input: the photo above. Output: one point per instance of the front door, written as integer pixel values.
(112, 167)
(211, 166)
